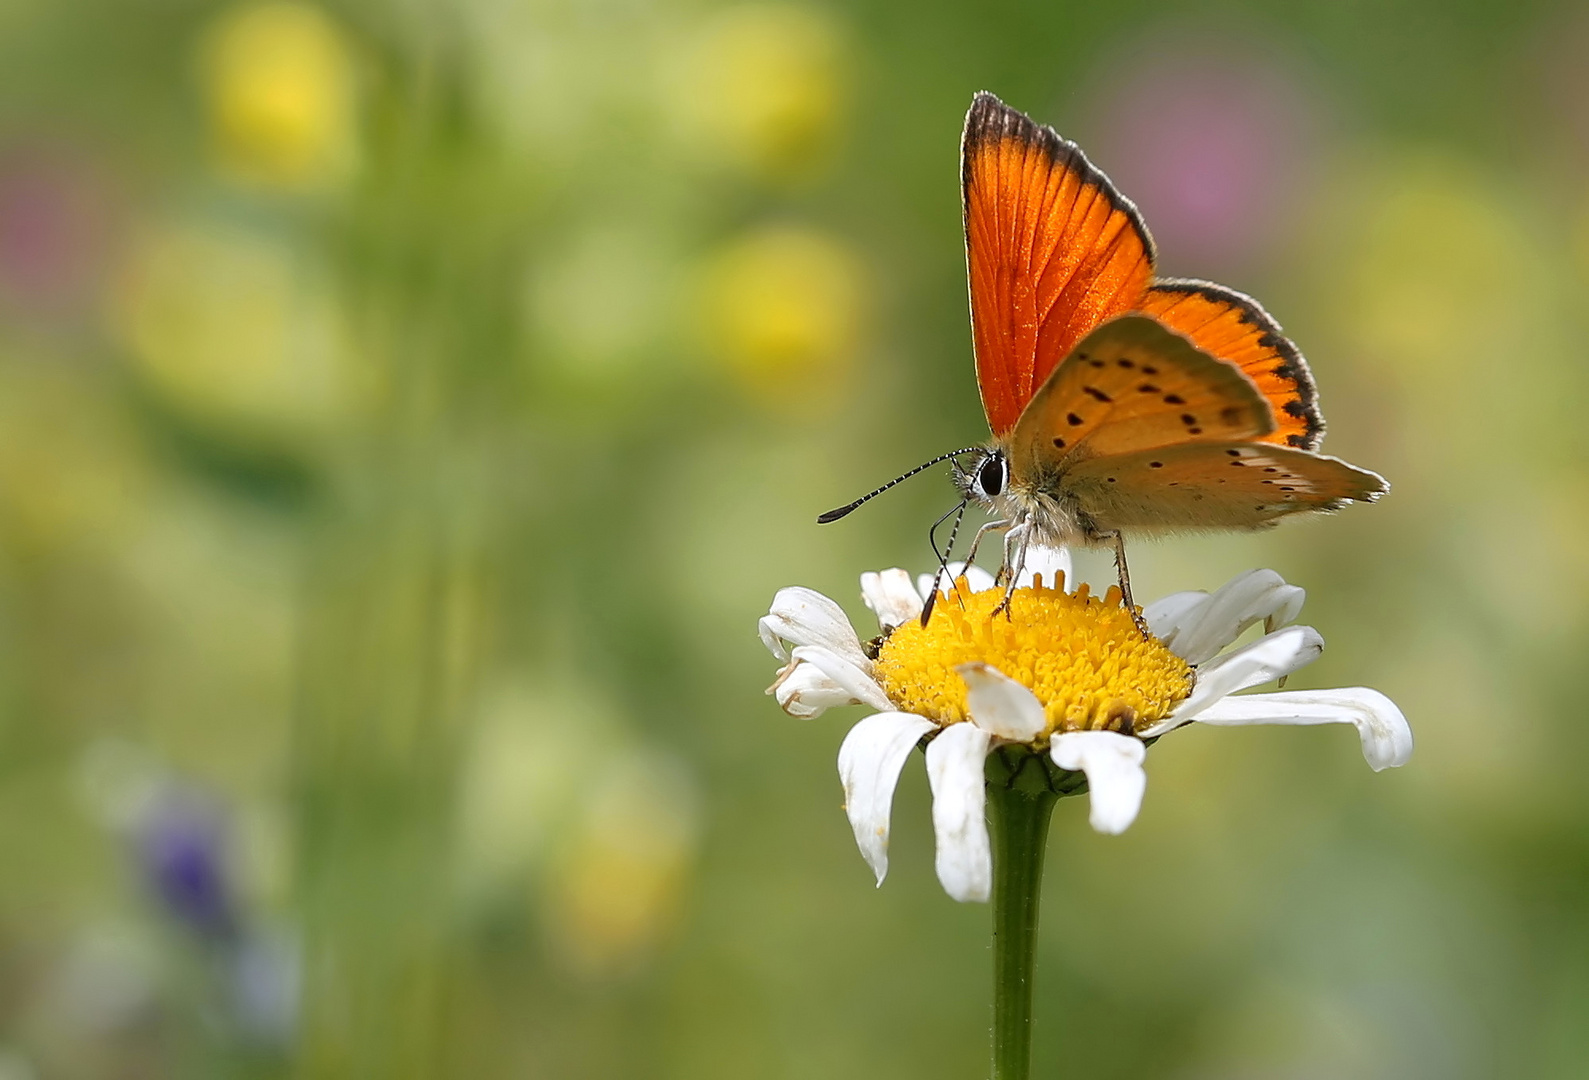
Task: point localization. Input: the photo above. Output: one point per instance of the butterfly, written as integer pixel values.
(1119, 402)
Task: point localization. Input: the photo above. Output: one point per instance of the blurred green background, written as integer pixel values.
(407, 409)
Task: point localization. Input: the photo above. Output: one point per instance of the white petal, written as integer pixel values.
(1256, 596)
(1387, 738)
(977, 579)
(891, 595)
(1051, 562)
(803, 691)
(851, 676)
(1166, 614)
(959, 798)
(869, 763)
(1265, 660)
(802, 616)
(1000, 705)
(1115, 780)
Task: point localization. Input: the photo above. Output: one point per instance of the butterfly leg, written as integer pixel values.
(1125, 580)
(1011, 571)
(939, 583)
(976, 541)
(1014, 553)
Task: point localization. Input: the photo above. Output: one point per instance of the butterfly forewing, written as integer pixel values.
(1052, 251)
(1235, 329)
(1215, 486)
(1133, 385)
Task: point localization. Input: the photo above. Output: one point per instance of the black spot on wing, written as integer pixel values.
(1292, 367)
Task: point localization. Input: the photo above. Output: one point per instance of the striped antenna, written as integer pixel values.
(834, 515)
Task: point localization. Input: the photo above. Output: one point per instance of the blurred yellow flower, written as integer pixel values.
(278, 83)
(232, 330)
(72, 470)
(1438, 283)
(763, 89)
(520, 781)
(558, 800)
(781, 307)
(618, 889)
(1441, 270)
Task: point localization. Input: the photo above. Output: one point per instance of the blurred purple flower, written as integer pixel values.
(265, 976)
(182, 843)
(53, 232)
(1212, 140)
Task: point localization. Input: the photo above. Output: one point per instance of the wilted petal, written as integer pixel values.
(1001, 706)
(977, 579)
(870, 760)
(954, 769)
(1265, 660)
(1386, 735)
(1200, 631)
(803, 691)
(802, 616)
(1052, 562)
(1115, 780)
(853, 677)
(891, 595)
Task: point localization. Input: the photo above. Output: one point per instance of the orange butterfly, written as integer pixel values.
(1118, 401)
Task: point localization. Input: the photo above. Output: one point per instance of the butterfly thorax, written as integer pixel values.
(1023, 497)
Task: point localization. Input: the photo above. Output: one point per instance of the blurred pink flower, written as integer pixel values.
(1213, 142)
(53, 225)
(1555, 81)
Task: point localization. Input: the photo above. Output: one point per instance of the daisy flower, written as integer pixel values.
(1066, 675)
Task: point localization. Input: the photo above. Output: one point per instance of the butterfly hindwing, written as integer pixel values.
(1215, 486)
(1133, 385)
(1234, 328)
(1052, 251)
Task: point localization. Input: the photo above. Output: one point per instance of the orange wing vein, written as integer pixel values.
(1234, 328)
(1052, 251)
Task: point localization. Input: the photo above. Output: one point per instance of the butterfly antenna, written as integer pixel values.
(959, 513)
(834, 515)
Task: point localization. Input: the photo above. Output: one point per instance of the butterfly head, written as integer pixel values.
(985, 477)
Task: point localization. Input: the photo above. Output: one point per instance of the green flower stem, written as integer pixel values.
(1022, 790)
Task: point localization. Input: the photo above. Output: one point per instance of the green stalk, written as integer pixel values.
(1021, 797)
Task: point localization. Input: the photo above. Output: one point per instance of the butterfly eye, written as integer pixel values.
(990, 477)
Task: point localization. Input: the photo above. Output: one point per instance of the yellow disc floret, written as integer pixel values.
(1081, 656)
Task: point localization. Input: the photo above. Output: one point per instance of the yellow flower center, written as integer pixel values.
(1081, 656)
